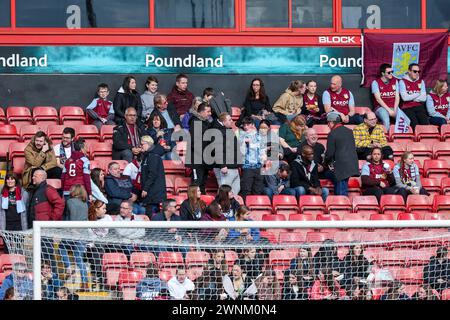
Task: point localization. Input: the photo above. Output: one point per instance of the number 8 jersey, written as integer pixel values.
(76, 171)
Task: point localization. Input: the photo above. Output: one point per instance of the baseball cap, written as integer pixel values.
(334, 117)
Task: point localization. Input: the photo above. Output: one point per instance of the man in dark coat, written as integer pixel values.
(341, 153)
(228, 155)
(198, 125)
(153, 178)
(126, 137)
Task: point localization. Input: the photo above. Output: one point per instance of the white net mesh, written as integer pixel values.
(225, 263)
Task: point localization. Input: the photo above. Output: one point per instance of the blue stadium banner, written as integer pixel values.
(141, 59)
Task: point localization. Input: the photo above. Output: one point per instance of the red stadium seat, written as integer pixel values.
(27, 132)
(45, 115)
(207, 198)
(142, 259)
(72, 116)
(418, 202)
(445, 185)
(427, 132)
(97, 164)
(377, 216)
(129, 278)
(354, 216)
(436, 168)
(410, 275)
(170, 184)
(182, 184)
(195, 263)
(354, 186)
(410, 216)
(284, 202)
(322, 131)
(399, 147)
(7, 261)
(55, 131)
(99, 150)
(389, 202)
(316, 236)
(2, 115)
(299, 236)
(258, 202)
(432, 185)
(328, 217)
(16, 156)
(301, 217)
(114, 259)
(19, 116)
(87, 132)
(173, 167)
(8, 135)
(436, 216)
(441, 203)
(441, 151)
(362, 110)
(445, 132)
(338, 203)
(421, 151)
(311, 202)
(445, 294)
(347, 236)
(106, 132)
(273, 217)
(280, 260)
(365, 203)
(170, 260)
(395, 137)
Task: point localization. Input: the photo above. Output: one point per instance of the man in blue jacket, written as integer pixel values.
(20, 280)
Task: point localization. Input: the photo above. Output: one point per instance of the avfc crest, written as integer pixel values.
(448, 99)
(403, 54)
(419, 85)
(345, 96)
(393, 87)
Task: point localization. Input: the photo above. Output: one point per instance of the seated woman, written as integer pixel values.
(407, 176)
(326, 287)
(252, 262)
(225, 198)
(312, 105)
(293, 287)
(238, 286)
(268, 286)
(327, 258)
(290, 103)
(292, 134)
(213, 212)
(438, 101)
(270, 140)
(243, 235)
(257, 104)
(161, 135)
(304, 265)
(193, 207)
(356, 266)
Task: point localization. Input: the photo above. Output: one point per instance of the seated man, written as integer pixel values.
(180, 286)
(369, 135)
(20, 280)
(39, 154)
(63, 150)
(304, 176)
(118, 188)
(126, 214)
(376, 177)
(126, 137)
(278, 183)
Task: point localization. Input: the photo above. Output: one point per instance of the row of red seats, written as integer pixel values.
(43, 115)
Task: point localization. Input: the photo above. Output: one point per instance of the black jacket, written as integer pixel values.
(153, 179)
(120, 138)
(298, 175)
(172, 114)
(230, 155)
(187, 213)
(434, 271)
(341, 150)
(122, 101)
(194, 156)
(318, 149)
(352, 269)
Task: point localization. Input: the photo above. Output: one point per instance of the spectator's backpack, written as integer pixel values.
(219, 104)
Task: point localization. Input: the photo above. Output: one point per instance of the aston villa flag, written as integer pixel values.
(400, 50)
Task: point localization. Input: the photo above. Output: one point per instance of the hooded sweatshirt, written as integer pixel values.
(147, 103)
(288, 103)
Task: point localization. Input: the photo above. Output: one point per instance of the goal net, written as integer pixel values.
(339, 260)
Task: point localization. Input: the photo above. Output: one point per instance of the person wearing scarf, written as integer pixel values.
(13, 214)
(407, 177)
(126, 137)
(304, 175)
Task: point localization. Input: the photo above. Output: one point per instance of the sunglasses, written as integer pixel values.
(389, 72)
(416, 71)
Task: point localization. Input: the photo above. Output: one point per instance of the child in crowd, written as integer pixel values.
(100, 111)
